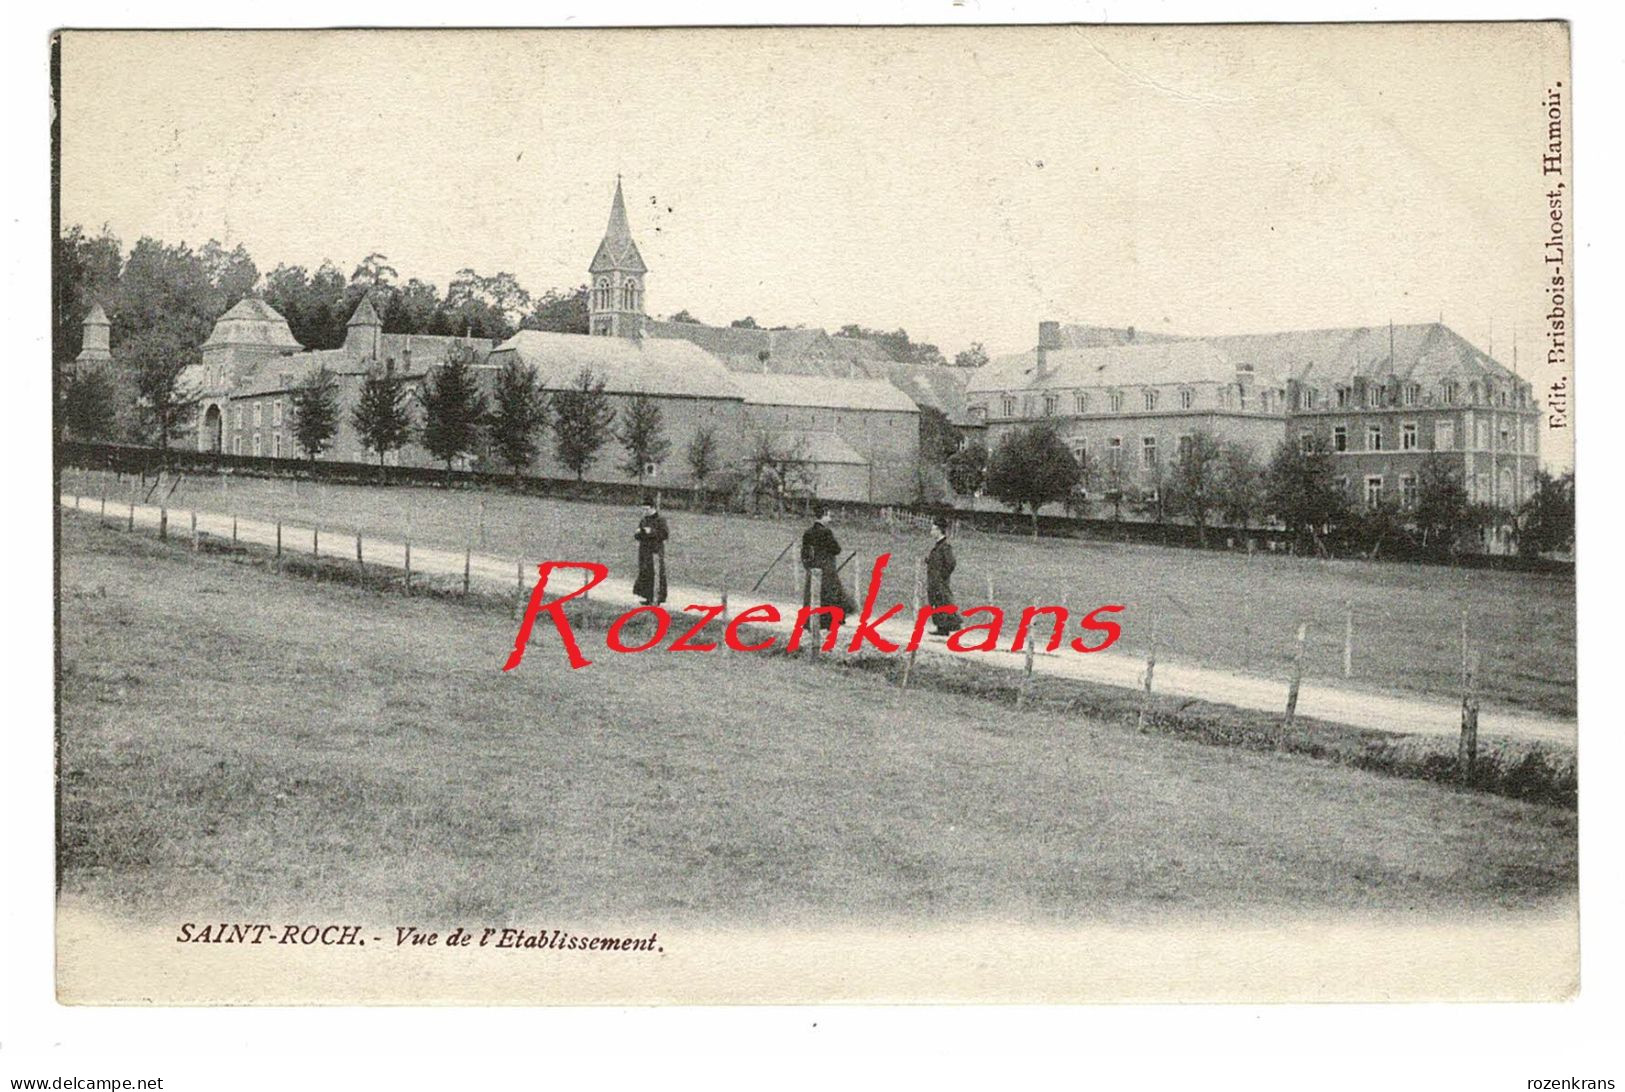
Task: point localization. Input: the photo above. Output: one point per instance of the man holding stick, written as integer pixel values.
(822, 551)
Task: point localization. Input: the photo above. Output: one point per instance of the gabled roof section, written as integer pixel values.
(627, 366)
(618, 251)
(823, 392)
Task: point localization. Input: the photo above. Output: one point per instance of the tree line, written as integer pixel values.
(451, 417)
(1212, 484)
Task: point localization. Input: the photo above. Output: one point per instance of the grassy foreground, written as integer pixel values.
(234, 741)
(1216, 609)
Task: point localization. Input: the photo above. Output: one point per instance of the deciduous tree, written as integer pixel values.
(315, 403)
(1546, 518)
(383, 413)
(582, 422)
(519, 414)
(1300, 491)
(453, 407)
(1195, 486)
(1030, 468)
(643, 435)
(702, 458)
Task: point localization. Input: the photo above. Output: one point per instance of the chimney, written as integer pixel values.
(1131, 333)
(1049, 337)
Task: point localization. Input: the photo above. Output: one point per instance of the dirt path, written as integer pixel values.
(1355, 708)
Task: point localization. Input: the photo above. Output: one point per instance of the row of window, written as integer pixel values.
(259, 414)
(1479, 488)
(1444, 437)
(1374, 489)
(626, 299)
(1150, 400)
(1379, 395)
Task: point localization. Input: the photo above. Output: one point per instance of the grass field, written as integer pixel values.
(233, 740)
(1215, 609)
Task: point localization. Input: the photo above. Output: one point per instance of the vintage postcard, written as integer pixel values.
(1017, 514)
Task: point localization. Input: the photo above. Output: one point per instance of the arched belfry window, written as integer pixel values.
(629, 296)
(601, 296)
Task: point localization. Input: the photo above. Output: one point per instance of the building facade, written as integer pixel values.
(1124, 406)
(1383, 399)
(857, 438)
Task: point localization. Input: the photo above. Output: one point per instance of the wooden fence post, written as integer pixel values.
(467, 552)
(812, 576)
(913, 650)
(1297, 676)
(408, 586)
(163, 523)
(1150, 674)
(1025, 692)
(360, 566)
(519, 589)
(1348, 640)
(279, 545)
(194, 531)
(1467, 748)
(103, 517)
(724, 641)
(234, 530)
(131, 525)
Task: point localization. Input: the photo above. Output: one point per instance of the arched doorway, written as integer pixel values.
(210, 440)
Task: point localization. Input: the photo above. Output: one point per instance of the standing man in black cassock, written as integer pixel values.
(650, 586)
(939, 568)
(821, 550)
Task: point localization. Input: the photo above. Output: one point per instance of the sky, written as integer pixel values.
(962, 183)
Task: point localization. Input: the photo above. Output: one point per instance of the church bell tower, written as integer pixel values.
(615, 296)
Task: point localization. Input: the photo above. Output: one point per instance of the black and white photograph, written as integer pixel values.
(783, 515)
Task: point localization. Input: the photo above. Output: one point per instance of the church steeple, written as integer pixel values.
(615, 302)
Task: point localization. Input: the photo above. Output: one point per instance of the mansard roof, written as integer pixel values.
(1425, 353)
(618, 251)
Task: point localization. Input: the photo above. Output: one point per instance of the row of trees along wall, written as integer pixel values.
(1208, 484)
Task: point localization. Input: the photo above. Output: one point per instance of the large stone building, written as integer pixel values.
(848, 431)
(1382, 398)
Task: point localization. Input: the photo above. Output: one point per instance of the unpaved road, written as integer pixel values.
(1355, 708)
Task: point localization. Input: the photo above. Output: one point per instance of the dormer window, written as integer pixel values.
(1450, 394)
(1187, 398)
(1150, 399)
(1114, 400)
(1080, 402)
(1051, 404)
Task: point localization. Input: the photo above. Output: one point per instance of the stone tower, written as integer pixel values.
(615, 298)
(97, 344)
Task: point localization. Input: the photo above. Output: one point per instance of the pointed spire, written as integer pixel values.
(365, 314)
(618, 251)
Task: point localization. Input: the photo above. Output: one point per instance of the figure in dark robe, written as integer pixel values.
(822, 551)
(939, 569)
(650, 586)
